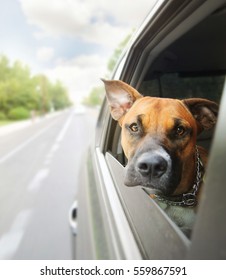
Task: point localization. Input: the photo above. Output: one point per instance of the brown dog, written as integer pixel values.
(159, 140)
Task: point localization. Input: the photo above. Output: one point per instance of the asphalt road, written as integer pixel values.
(39, 164)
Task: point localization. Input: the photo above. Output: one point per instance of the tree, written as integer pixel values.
(16, 86)
(4, 68)
(42, 92)
(59, 96)
(117, 53)
(95, 97)
(18, 89)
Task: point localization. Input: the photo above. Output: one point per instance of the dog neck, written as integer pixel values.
(188, 199)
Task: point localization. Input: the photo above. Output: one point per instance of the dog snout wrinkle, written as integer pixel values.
(152, 165)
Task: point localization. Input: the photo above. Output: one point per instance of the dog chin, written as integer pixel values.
(136, 181)
(133, 179)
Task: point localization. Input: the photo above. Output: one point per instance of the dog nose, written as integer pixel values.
(152, 165)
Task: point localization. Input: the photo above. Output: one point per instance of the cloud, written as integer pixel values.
(79, 74)
(100, 22)
(62, 17)
(45, 54)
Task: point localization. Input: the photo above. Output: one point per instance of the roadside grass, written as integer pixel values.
(5, 122)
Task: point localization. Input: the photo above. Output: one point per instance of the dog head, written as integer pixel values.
(159, 136)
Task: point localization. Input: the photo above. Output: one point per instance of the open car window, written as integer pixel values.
(192, 66)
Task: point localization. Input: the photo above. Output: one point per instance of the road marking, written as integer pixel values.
(24, 144)
(10, 241)
(35, 184)
(64, 129)
(59, 138)
(49, 156)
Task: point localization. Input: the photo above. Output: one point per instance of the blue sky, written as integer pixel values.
(70, 40)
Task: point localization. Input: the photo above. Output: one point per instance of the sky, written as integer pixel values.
(68, 40)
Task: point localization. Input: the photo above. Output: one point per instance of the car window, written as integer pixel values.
(192, 66)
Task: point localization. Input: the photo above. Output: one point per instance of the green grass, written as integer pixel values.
(5, 122)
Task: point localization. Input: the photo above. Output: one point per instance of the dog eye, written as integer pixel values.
(180, 130)
(134, 127)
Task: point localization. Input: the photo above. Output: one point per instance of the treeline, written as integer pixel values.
(22, 94)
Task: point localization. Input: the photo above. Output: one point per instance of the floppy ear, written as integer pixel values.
(204, 111)
(120, 97)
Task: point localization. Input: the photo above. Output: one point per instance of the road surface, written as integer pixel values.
(39, 166)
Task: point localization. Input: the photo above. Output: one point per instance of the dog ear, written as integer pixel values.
(120, 97)
(204, 111)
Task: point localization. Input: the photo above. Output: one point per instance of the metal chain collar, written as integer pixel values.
(187, 199)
